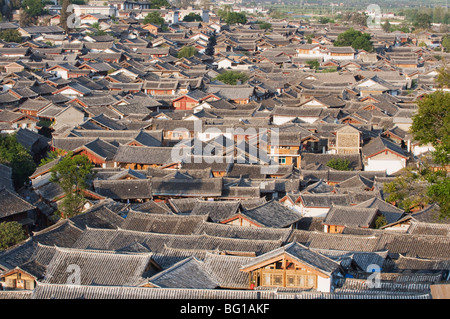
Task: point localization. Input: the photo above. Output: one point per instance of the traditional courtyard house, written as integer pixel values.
(340, 53)
(18, 120)
(189, 100)
(99, 152)
(182, 186)
(339, 217)
(239, 94)
(143, 157)
(159, 88)
(175, 131)
(73, 47)
(293, 266)
(311, 51)
(327, 101)
(125, 190)
(67, 71)
(33, 106)
(383, 155)
(405, 64)
(270, 214)
(167, 70)
(398, 136)
(375, 86)
(73, 90)
(62, 116)
(179, 276)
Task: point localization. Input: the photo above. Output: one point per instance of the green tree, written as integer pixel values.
(154, 18)
(235, 18)
(187, 52)
(354, 38)
(422, 21)
(446, 42)
(359, 18)
(386, 26)
(443, 77)
(98, 29)
(191, 17)
(325, 20)
(420, 186)
(223, 11)
(313, 64)
(11, 233)
(14, 155)
(11, 35)
(51, 156)
(265, 26)
(309, 38)
(380, 221)
(363, 42)
(431, 124)
(72, 174)
(157, 4)
(408, 190)
(339, 164)
(232, 77)
(33, 8)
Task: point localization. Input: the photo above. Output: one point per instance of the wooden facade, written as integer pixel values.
(184, 103)
(18, 279)
(286, 155)
(283, 271)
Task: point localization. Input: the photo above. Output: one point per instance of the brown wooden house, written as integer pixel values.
(292, 266)
(18, 279)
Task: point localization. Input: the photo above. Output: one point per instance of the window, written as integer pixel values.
(273, 279)
(282, 160)
(177, 135)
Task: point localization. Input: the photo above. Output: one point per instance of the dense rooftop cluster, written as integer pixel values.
(206, 189)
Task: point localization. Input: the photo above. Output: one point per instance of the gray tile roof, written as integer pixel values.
(189, 273)
(124, 189)
(162, 223)
(123, 269)
(116, 239)
(350, 216)
(144, 155)
(11, 203)
(272, 214)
